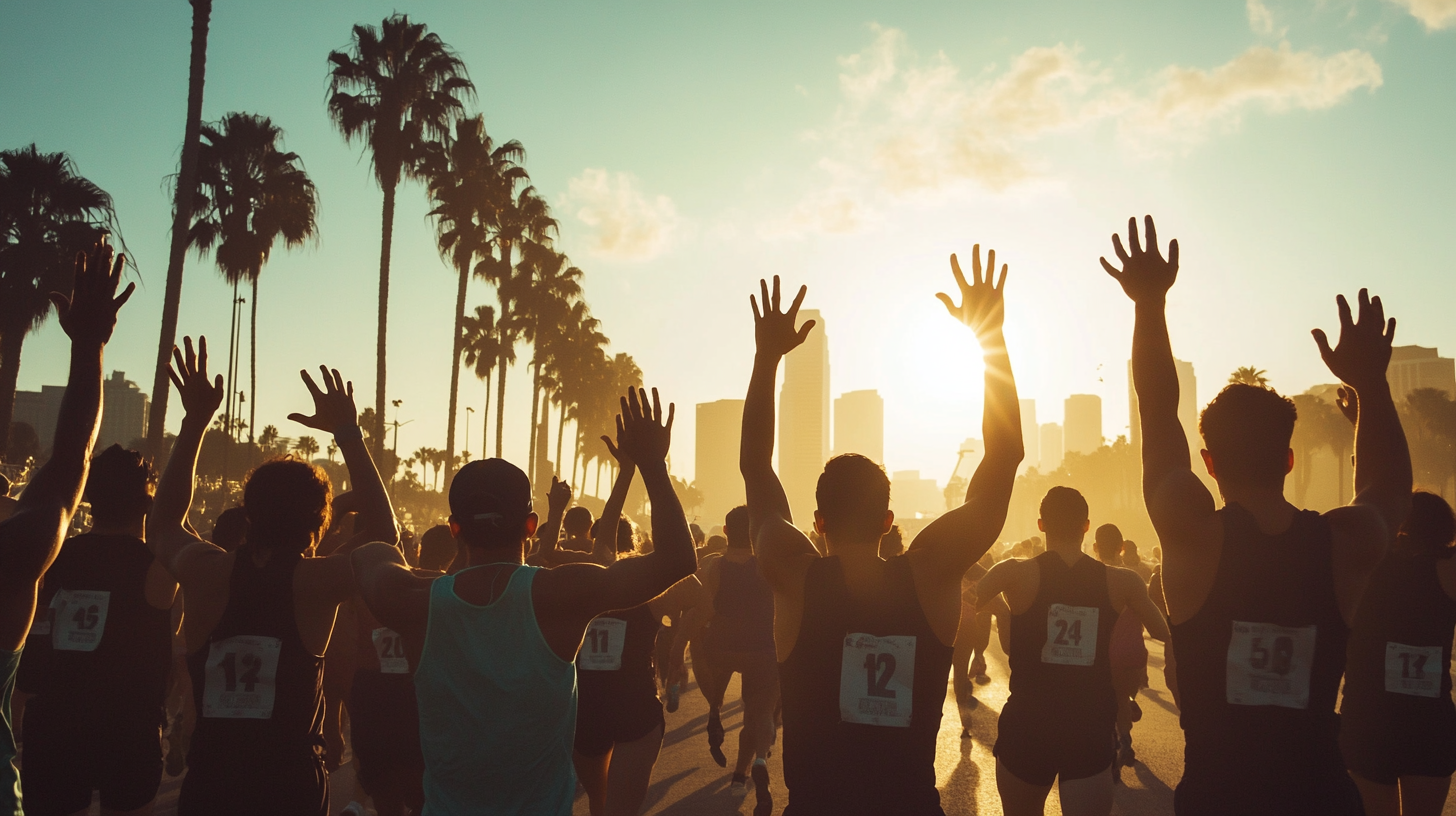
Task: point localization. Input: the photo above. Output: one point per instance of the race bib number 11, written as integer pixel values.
(239, 677)
(78, 619)
(1269, 665)
(1413, 670)
(877, 680)
(602, 649)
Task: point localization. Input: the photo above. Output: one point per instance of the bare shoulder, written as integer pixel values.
(1180, 504)
(1356, 523)
(203, 561)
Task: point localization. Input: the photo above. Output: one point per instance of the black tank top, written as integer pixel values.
(242, 718)
(111, 651)
(615, 663)
(1259, 667)
(1059, 644)
(743, 610)
(847, 669)
(1399, 661)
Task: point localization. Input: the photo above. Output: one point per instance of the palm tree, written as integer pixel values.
(397, 88)
(548, 286)
(47, 213)
(250, 194)
(268, 437)
(466, 181)
(481, 343)
(181, 218)
(567, 358)
(423, 457)
(1249, 375)
(307, 446)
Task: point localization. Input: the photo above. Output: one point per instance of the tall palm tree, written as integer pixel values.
(47, 213)
(397, 88)
(466, 181)
(181, 218)
(567, 357)
(482, 347)
(546, 287)
(251, 193)
(1249, 375)
(307, 447)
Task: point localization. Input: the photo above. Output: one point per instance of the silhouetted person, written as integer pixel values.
(437, 548)
(1127, 652)
(230, 528)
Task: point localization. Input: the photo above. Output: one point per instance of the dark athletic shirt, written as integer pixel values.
(840, 768)
(743, 609)
(1071, 687)
(635, 677)
(1254, 627)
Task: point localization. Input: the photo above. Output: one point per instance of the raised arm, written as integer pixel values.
(1176, 499)
(997, 580)
(168, 534)
(395, 596)
(604, 546)
(1135, 597)
(548, 535)
(953, 543)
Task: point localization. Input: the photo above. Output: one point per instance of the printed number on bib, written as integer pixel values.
(1071, 635)
(390, 648)
(1413, 670)
(1269, 665)
(239, 678)
(78, 619)
(877, 680)
(602, 650)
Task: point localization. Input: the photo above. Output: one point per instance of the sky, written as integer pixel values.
(1296, 149)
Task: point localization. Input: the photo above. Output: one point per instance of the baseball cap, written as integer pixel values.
(490, 494)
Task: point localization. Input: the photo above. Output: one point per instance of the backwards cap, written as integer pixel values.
(490, 495)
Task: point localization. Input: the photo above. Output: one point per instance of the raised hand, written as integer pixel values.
(624, 461)
(559, 497)
(89, 314)
(333, 408)
(983, 306)
(1363, 351)
(773, 328)
(1145, 275)
(641, 434)
(1349, 404)
(200, 397)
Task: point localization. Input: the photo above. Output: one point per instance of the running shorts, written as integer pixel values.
(385, 724)
(602, 722)
(1039, 744)
(1384, 749)
(69, 755)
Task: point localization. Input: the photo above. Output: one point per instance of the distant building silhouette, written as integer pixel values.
(859, 424)
(911, 495)
(972, 452)
(719, 429)
(1030, 436)
(804, 418)
(1187, 408)
(1050, 449)
(1414, 367)
(39, 409)
(1082, 424)
(124, 413)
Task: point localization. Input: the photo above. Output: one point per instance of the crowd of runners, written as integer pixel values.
(497, 662)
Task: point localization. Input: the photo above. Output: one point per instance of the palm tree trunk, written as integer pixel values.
(535, 415)
(253, 365)
(181, 223)
(576, 452)
(560, 433)
(11, 341)
(485, 420)
(500, 406)
(386, 240)
(231, 383)
(455, 363)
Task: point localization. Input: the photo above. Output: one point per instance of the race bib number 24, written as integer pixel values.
(1269, 665)
(240, 676)
(877, 680)
(1071, 635)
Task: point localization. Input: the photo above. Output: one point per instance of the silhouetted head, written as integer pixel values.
(577, 521)
(698, 537)
(892, 543)
(854, 501)
(287, 503)
(735, 527)
(626, 536)
(490, 505)
(715, 545)
(1130, 553)
(1246, 431)
(437, 548)
(1108, 543)
(230, 528)
(1430, 527)
(1063, 516)
(119, 488)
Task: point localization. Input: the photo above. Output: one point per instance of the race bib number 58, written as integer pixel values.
(877, 679)
(1413, 670)
(239, 678)
(78, 619)
(1270, 665)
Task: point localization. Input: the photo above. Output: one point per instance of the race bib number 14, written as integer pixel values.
(1269, 665)
(1413, 670)
(877, 680)
(239, 678)
(78, 619)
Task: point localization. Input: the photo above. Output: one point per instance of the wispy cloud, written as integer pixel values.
(623, 222)
(1433, 14)
(1261, 19)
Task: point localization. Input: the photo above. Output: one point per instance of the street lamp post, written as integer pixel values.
(469, 412)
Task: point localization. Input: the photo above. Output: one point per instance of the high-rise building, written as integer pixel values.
(124, 416)
(1414, 367)
(1187, 406)
(1030, 436)
(39, 410)
(1082, 424)
(720, 426)
(912, 496)
(1050, 448)
(859, 424)
(804, 417)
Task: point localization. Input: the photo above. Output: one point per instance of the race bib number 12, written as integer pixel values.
(1269, 665)
(877, 680)
(602, 650)
(1071, 635)
(239, 678)
(78, 619)
(389, 646)
(1413, 670)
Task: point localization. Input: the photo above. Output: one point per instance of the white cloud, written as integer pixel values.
(1433, 14)
(624, 222)
(1261, 19)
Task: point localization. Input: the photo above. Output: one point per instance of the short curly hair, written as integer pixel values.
(1247, 429)
(287, 500)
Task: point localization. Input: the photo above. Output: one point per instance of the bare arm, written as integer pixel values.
(604, 546)
(1135, 596)
(548, 535)
(168, 533)
(997, 581)
(394, 595)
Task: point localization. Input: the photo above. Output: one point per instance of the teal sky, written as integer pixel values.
(1296, 149)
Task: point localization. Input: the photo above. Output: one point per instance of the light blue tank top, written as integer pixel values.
(9, 774)
(497, 707)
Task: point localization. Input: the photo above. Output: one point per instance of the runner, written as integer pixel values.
(1058, 724)
(437, 549)
(864, 645)
(96, 724)
(259, 619)
(31, 537)
(495, 677)
(973, 638)
(1397, 722)
(737, 611)
(1127, 652)
(1261, 594)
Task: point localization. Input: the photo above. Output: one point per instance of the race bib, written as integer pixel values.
(877, 680)
(602, 650)
(1269, 665)
(1071, 635)
(78, 619)
(239, 677)
(1413, 670)
(390, 648)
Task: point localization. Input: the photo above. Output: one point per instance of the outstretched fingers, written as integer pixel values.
(1323, 341)
(1001, 284)
(1133, 242)
(798, 300)
(1152, 233)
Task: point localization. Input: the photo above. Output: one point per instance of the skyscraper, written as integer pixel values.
(859, 424)
(1082, 423)
(1030, 436)
(1187, 406)
(125, 417)
(720, 426)
(1050, 448)
(804, 418)
(1413, 367)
